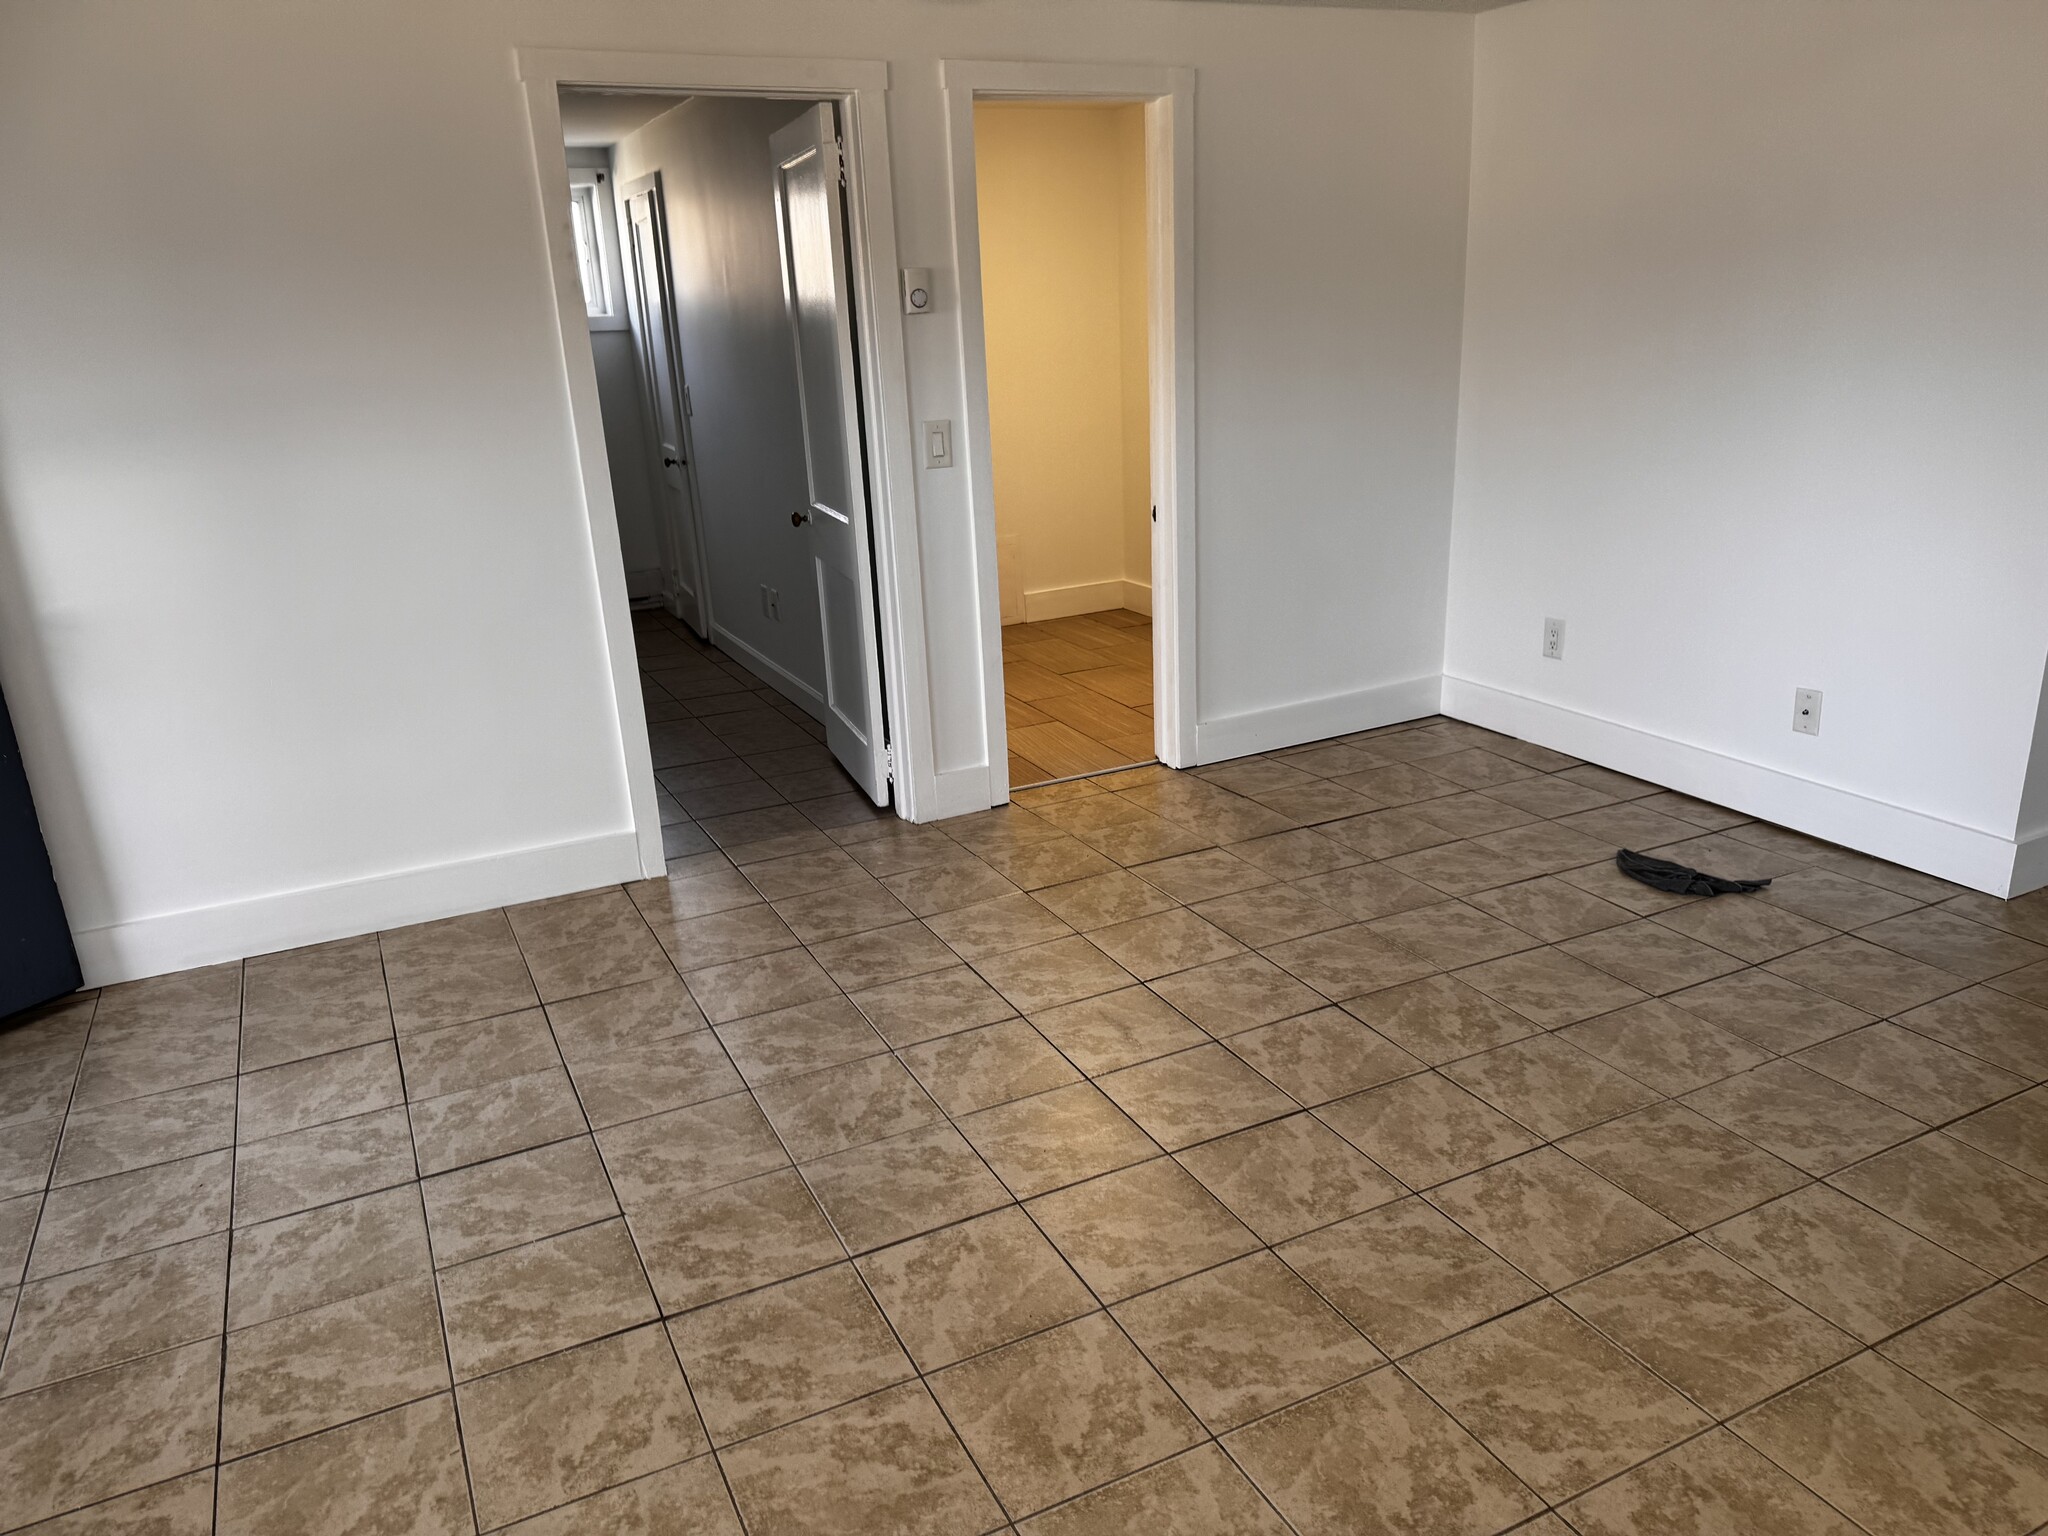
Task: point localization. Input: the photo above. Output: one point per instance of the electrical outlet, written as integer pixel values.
(775, 604)
(1553, 639)
(1806, 711)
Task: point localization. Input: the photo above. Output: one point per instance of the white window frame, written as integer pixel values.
(594, 184)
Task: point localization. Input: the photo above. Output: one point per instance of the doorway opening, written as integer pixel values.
(1099, 159)
(1061, 207)
(711, 240)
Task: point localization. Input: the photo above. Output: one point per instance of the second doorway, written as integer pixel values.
(1061, 195)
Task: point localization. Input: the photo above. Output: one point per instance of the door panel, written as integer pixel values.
(810, 213)
(648, 284)
(839, 606)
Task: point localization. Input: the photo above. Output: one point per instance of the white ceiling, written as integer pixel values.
(592, 119)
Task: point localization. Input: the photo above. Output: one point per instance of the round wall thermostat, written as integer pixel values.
(917, 290)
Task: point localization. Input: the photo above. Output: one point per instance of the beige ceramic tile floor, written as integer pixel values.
(1329, 1141)
(1078, 693)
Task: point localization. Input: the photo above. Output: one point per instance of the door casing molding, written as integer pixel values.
(859, 87)
(1168, 97)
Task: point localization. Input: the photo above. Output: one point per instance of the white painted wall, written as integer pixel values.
(718, 185)
(298, 603)
(620, 387)
(1753, 398)
(1330, 231)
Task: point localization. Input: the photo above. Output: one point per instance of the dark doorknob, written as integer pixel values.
(798, 519)
(670, 462)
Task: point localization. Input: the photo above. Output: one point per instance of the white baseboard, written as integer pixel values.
(2030, 863)
(1969, 856)
(1305, 720)
(233, 930)
(643, 584)
(1089, 597)
(777, 676)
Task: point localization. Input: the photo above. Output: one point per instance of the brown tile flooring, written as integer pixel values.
(1328, 1141)
(1079, 695)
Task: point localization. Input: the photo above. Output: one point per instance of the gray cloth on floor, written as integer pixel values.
(1677, 878)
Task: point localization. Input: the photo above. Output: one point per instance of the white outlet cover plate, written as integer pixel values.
(1806, 711)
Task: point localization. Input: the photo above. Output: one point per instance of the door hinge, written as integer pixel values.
(1155, 514)
(889, 764)
(690, 410)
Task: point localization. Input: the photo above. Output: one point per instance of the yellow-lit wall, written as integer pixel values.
(1062, 208)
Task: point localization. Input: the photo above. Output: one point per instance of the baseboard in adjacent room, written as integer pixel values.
(1088, 597)
(1969, 856)
(260, 925)
(1306, 720)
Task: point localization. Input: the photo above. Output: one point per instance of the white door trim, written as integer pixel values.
(1168, 96)
(676, 539)
(860, 88)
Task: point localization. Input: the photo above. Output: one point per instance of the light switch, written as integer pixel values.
(938, 445)
(917, 290)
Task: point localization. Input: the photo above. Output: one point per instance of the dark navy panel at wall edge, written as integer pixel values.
(37, 960)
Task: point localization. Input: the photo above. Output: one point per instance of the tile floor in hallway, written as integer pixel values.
(1078, 692)
(1328, 1142)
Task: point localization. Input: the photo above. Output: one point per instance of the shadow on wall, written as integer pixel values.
(47, 753)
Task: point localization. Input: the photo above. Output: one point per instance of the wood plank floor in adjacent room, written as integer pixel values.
(1079, 692)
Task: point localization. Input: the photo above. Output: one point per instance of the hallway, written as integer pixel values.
(735, 762)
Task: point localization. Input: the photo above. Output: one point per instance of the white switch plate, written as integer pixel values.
(1806, 711)
(938, 445)
(917, 290)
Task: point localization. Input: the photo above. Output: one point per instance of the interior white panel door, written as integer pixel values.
(809, 205)
(649, 282)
